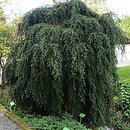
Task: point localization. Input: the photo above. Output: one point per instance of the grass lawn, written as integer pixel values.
(124, 73)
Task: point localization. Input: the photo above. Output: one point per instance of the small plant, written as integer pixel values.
(65, 128)
(82, 115)
(124, 98)
(119, 122)
(121, 118)
(53, 123)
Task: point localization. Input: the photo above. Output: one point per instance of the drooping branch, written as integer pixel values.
(66, 61)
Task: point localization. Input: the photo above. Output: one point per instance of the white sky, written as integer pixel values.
(120, 7)
(20, 7)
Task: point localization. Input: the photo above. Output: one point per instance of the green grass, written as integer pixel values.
(124, 73)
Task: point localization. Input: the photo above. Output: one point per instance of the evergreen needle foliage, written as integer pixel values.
(66, 61)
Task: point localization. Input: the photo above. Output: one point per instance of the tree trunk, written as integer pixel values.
(2, 63)
(3, 80)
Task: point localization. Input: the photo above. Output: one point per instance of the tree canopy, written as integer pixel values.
(7, 37)
(97, 6)
(5, 41)
(4, 33)
(125, 25)
(65, 61)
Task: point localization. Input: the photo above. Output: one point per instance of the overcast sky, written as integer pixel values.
(121, 7)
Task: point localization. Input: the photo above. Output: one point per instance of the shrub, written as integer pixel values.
(121, 117)
(124, 98)
(65, 61)
(119, 122)
(53, 123)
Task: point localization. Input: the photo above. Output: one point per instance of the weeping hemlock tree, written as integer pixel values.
(66, 61)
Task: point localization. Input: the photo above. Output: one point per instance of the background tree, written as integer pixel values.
(66, 61)
(125, 25)
(98, 6)
(4, 42)
(7, 38)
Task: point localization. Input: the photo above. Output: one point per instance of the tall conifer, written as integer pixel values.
(66, 61)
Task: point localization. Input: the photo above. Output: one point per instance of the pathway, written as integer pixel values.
(7, 124)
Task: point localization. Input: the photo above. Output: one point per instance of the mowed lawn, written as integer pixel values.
(124, 73)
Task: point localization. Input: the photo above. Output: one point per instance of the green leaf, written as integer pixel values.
(65, 128)
(82, 115)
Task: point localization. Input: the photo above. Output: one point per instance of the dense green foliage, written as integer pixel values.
(123, 102)
(119, 122)
(7, 33)
(5, 42)
(96, 5)
(65, 62)
(4, 34)
(53, 123)
(125, 99)
(121, 118)
(7, 38)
